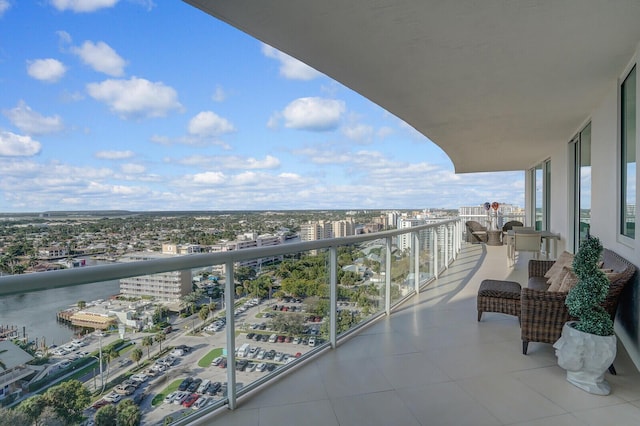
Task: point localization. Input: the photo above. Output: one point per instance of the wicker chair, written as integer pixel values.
(476, 233)
(544, 313)
(509, 225)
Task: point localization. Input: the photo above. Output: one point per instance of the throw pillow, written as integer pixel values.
(556, 281)
(569, 281)
(565, 258)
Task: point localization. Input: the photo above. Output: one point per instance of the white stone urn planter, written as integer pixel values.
(586, 357)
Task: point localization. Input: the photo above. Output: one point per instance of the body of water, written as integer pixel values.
(36, 311)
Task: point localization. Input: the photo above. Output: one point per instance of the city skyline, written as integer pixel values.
(182, 112)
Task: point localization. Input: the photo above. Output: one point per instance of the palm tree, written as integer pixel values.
(148, 342)
(160, 337)
(110, 355)
(136, 355)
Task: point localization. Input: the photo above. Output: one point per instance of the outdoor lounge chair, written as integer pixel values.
(476, 233)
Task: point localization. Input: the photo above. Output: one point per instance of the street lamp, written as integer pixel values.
(100, 362)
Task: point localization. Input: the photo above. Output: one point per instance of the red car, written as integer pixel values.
(100, 403)
(190, 400)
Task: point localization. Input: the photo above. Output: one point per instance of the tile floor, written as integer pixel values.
(432, 363)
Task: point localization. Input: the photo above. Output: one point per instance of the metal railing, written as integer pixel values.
(426, 249)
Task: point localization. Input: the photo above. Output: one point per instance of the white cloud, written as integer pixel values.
(315, 114)
(101, 57)
(219, 94)
(136, 97)
(230, 162)
(82, 6)
(4, 6)
(360, 133)
(209, 178)
(49, 70)
(31, 122)
(131, 168)
(290, 68)
(208, 123)
(114, 155)
(12, 145)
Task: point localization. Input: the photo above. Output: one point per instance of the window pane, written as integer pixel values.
(539, 197)
(628, 139)
(585, 183)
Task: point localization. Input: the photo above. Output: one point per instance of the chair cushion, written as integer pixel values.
(557, 279)
(565, 258)
(569, 281)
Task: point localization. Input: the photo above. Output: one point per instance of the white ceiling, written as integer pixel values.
(495, 83)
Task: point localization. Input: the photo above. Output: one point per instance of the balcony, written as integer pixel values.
(415, 357)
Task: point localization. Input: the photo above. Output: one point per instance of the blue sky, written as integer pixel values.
(143, 105)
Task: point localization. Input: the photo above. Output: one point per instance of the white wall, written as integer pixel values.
(605, 189)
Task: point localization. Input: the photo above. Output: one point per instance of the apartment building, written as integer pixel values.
(166, 287)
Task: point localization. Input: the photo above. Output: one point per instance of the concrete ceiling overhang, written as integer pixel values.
(497, 84)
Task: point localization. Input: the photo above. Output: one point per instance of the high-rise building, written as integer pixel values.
(165, 287)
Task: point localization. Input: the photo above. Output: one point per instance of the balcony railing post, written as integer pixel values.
(436, 268)
(229, 296)
(387, 279)
(446, 246)
(416, 261)
(333, 295)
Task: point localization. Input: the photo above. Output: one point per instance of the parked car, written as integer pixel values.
(201, 402)
(194, 385)
(140, 377)
(217, 361)
(124, 390)
(214, 388)
(185, 383)
(169, 398)
(113, 397)
(190, 400)
(260, 367)
(312, 341)
(180, 397)
(100, 403)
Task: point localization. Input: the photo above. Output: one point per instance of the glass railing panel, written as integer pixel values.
(426, 256)
(401, 272)
(360, 283)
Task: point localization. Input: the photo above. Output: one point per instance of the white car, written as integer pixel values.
(139, 377)
(261, 354)
(180, 397)
(177, 352)
(312, 341)
(169, 398)
(216, 361)
(201, 402)
(260, 367)
(113, 397)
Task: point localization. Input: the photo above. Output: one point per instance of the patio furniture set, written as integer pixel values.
(540, 305)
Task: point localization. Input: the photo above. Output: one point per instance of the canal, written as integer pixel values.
(36, 311)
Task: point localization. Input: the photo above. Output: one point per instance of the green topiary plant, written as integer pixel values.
(585, 299)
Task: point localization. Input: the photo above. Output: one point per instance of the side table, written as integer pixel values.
(494, 237)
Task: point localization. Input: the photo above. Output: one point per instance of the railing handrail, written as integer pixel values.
(24, 283)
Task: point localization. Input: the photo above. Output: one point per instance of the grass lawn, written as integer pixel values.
(173, 386)
(205, 361)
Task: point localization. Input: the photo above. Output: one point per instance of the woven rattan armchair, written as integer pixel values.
(544, 313)
(476, 233)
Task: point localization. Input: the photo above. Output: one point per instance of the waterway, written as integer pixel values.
(35, 312)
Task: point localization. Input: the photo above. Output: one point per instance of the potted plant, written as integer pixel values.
(587, 346)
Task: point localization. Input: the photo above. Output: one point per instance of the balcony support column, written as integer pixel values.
(333, 296)
(416, 261)
(229, 296)
(387, 278)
